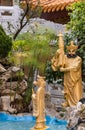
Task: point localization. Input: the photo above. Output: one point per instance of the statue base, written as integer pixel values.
(44, 128)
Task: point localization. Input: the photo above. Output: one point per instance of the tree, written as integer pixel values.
(5, 43)
(27, 12)
(77, 21)
(77, 27)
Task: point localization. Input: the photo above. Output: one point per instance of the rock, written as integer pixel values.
(57, 97)
(17, 103)
(50, 112)
(7, 92)
(2, 69)
(18, 97)
(4, 77)
(48, 103)
(12, 85)
(81, 127)
(77, 115)
(15, 69)
(6, 104)
(23, 85)
(12, 90)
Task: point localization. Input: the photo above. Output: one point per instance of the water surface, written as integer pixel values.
(10, 122)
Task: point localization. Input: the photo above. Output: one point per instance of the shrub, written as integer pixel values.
(5, 43)
(77, 28)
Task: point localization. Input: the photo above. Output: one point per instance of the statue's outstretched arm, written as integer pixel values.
(58, 59)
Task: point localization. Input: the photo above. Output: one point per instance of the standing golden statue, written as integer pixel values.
(38, 99)
(71, 66)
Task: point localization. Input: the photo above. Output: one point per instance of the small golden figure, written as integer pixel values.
(71, 66)
(38, 99)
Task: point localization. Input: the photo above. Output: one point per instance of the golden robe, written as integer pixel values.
(72, 80)
(38, 99)
(39, 108)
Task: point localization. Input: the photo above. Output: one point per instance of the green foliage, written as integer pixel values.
(77, 27)
(81, 52)
(20, 75)
(52, 75)
(77, 21)
(32, 50)
(49, 73)
(5, 43)
(68, 37)
(37, 48)
(61, 114)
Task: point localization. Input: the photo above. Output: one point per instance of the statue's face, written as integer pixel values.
(71, 51)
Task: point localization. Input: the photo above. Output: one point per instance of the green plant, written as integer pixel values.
(5, 43)
(77, 21)
(77, 27)
(52, 75)
(62, 114)
(81, 52)
(37, 47)
(37, 51)
(20, 75)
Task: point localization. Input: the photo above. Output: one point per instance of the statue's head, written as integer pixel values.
(40, 81)
(72, 48)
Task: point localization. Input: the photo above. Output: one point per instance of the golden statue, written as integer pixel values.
(58, 59)
(71, 66)
(38, 99)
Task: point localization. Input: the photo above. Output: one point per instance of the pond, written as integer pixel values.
(26, 122)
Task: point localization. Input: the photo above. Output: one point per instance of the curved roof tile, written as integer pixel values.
(52, 5)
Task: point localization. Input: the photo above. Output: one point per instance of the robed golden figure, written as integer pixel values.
(38, 99)
(71, 66)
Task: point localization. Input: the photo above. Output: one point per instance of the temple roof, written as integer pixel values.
(52, 5)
